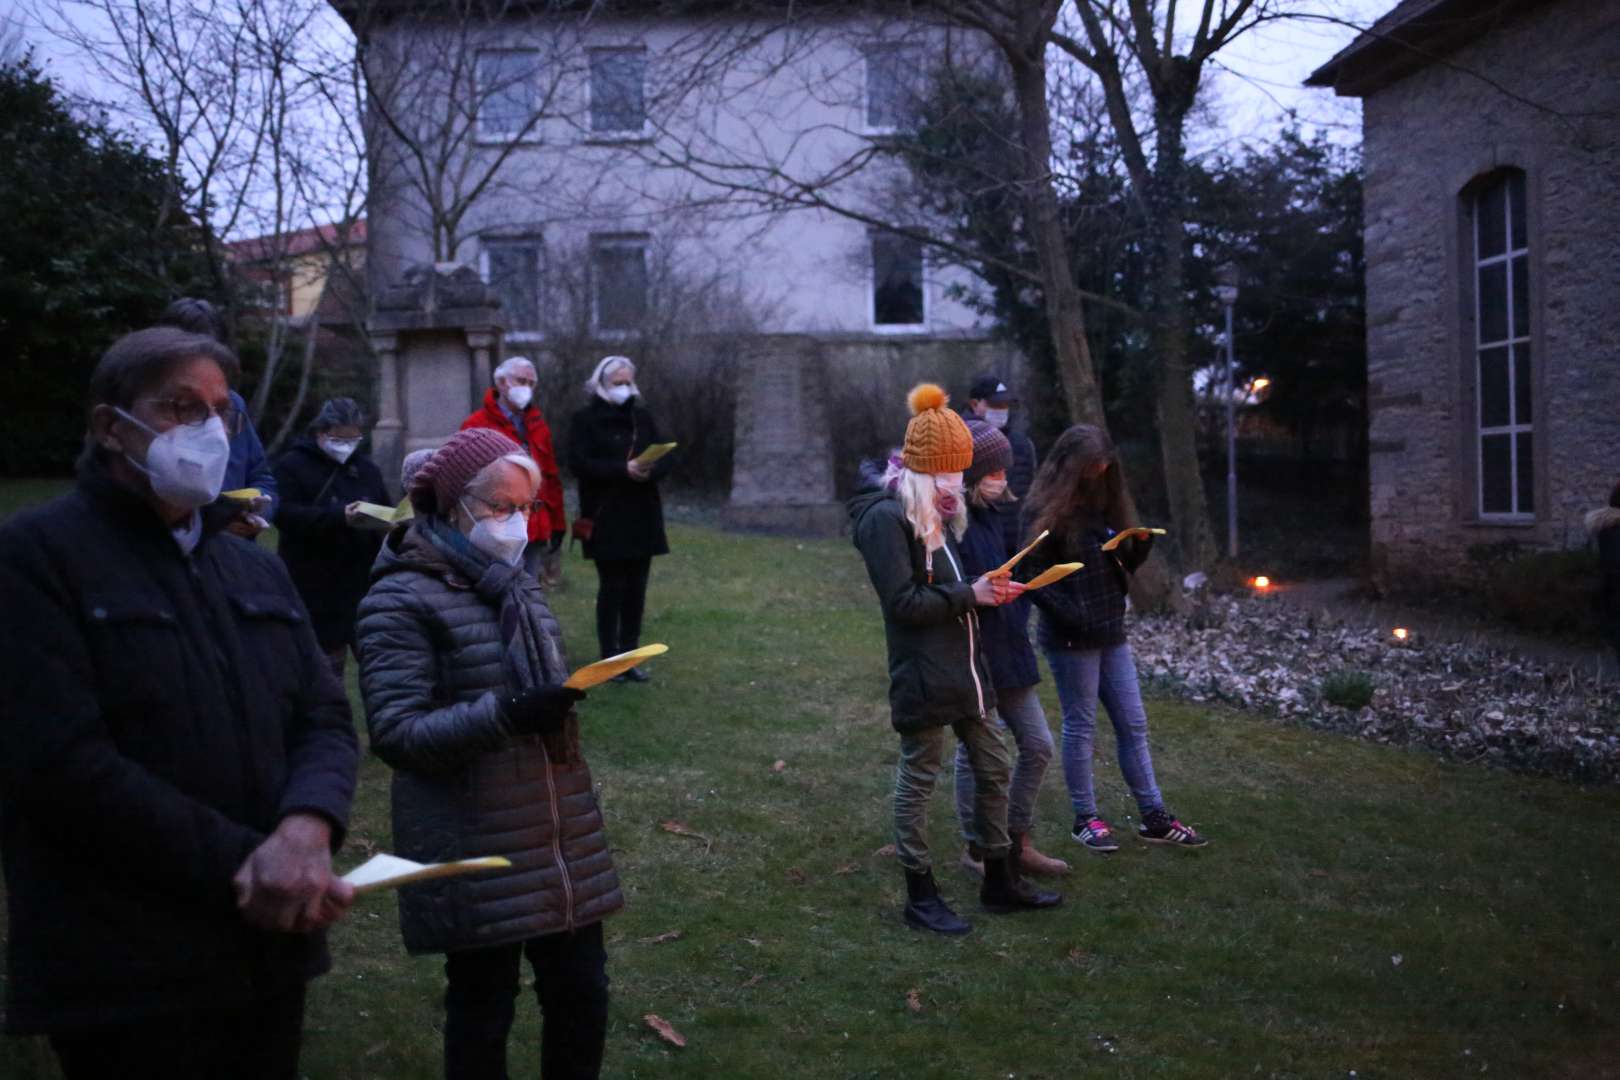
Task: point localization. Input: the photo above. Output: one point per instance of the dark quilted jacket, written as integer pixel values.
(430, 671)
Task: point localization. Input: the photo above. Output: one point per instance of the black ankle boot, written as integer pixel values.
(1006, 890)
(924, 908)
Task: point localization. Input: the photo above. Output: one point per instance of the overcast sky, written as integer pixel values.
(1254, 87)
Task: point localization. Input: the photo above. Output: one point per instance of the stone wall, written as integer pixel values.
(1426, 137)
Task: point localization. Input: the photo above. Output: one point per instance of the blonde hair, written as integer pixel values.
(917, 498)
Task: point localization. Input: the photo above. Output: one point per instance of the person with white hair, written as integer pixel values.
(621, 518)
(463, 674)
(510, 409)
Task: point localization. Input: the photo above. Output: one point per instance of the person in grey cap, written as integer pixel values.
(327, 544)
(990, 399)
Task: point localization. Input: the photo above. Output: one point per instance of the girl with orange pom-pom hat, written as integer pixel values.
(906, 528)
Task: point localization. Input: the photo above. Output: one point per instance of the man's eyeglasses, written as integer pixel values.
(504, 511)
(197, 411)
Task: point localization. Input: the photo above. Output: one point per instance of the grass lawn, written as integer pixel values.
(1360, 911)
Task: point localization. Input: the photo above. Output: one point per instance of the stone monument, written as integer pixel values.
(437, 334)
(782, 479)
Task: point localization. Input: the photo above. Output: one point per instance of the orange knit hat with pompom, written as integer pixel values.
(937, 440)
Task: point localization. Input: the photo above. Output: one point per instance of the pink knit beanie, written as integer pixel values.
(444, 476)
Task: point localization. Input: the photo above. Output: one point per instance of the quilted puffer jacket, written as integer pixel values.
(431, 671)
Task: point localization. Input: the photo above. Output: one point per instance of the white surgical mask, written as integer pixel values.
(621, 393)
(948, 483)
(186, 464)
(992, 490)
(502, 541)
(520, 396)
(996, 418)
(338, 450)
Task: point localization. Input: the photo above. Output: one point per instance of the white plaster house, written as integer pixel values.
(631, 140)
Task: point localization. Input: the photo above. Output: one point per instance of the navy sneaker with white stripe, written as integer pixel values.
(1161, 827)
(1094, 834)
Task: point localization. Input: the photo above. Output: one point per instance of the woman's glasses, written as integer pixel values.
(504, 511)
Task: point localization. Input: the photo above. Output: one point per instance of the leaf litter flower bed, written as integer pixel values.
(1470, 702)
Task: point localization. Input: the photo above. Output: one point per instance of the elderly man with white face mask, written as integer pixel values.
(621, 517)
(510, 408)
(176, 760)
(462, 669)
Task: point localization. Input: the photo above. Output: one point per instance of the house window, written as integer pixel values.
(507, 94)
(618, 91)
(1501, 264)
(893, 86)
(897, 281)
(619, 282)
(512, 270)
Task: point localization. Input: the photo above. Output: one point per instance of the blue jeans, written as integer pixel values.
(1083, 677)
(1019, 711)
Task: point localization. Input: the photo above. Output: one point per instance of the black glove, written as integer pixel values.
(1135, 551)
(540, 710)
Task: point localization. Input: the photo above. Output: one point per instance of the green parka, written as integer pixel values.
(937, 670)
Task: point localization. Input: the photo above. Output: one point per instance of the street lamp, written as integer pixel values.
(1226, 290)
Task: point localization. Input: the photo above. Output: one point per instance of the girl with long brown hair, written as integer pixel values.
(1078, 496)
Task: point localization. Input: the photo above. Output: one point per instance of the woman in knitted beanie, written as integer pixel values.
(1013, 668)
(1078, 496)
(906, 529)
(462, 671)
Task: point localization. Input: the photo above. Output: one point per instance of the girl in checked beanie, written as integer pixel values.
(907, 528)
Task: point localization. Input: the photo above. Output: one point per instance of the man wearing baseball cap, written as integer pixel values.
(990, 399)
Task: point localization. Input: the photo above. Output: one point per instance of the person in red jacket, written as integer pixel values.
(509, 408)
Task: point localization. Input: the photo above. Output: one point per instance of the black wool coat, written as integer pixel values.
(159, 715)
(937, 670)
(627, 515)
(330, 562)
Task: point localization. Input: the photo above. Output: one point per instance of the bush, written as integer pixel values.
(1550, 592)
(1348, 689)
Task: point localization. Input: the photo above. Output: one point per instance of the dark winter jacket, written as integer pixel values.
(1022, 474)
(431, 668)
(159, 715)
(1006, 628)
(937, 670)
(329, 561)
(627, 515)
(248, 467)
(1086, 610)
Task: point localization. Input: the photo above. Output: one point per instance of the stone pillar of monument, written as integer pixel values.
(437, 334)
(782, 474)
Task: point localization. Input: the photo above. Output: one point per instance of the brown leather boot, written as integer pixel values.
(1031, 861)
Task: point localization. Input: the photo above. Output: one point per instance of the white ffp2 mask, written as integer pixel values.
(339, 450)
(502, 541)
(520, 396)
(186, 464)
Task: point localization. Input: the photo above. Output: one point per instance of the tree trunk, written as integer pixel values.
(1177, 414)
(1064, 312)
